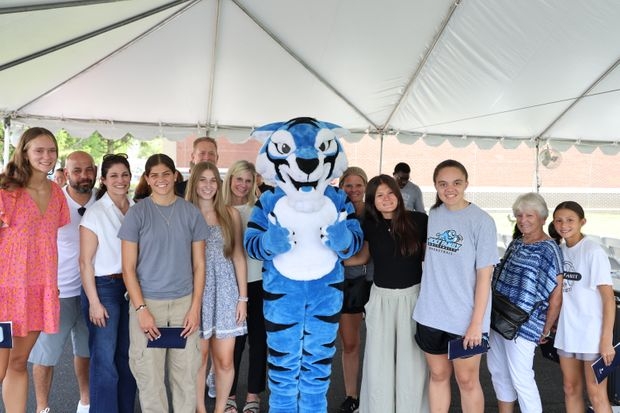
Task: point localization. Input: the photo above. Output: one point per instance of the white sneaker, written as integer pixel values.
(46, 410)
(211, 384)
(81, 408)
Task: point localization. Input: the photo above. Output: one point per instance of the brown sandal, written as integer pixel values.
(251, 407)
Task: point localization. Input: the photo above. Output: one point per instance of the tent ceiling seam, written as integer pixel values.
(54, 5)
(113, 53)
(580, 97)
(422, 63)
(500, 112)
(89, 35)
(22, 117)
(301, 61)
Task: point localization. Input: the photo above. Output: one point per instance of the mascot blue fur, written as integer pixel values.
(301, 230)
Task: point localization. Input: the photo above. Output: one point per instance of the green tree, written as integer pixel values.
(97, 145)
(148, 148)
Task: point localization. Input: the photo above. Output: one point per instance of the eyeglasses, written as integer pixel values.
(81, 211)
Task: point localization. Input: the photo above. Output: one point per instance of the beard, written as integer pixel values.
(84, 186)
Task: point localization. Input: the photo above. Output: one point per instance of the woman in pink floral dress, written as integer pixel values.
(32, 208)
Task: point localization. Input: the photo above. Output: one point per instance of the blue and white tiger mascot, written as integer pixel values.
(302, 230)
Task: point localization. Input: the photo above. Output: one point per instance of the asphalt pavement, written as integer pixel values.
(64, 394)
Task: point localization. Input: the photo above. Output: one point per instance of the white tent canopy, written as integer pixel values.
(494, 70)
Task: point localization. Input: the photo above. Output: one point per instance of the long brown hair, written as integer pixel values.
(222, 212)
(18, 170)
(403, 229)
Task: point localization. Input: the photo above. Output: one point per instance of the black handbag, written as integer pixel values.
(506, 317)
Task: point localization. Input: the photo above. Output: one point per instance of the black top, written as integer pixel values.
(392, 270)
(179, 189)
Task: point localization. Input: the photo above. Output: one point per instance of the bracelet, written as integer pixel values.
(243, 299)
(546, 335)
(140, 307)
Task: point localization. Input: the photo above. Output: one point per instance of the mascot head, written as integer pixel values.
(301, 156)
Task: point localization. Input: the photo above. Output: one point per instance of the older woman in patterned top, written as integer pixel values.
(531, 278)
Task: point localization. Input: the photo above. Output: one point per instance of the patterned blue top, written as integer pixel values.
(528, 278)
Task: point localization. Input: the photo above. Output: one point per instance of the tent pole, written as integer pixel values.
(537, 167)
(303, 62)
(216, 30)
(109, 55)
(381, 151)
(407, 90)
(90, 35)
(5, 147)
(52, 5)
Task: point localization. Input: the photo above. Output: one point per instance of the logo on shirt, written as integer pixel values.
(570, 276)
(448, 241)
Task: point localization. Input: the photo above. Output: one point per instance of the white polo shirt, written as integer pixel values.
(69, 281)
(105, 219)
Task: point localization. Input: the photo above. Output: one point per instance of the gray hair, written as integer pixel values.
(531, 201)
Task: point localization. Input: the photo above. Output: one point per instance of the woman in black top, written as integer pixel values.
(395, 373)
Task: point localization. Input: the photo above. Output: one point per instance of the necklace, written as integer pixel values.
(166, 219)
(388, 224)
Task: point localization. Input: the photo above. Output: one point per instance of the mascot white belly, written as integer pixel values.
(309, 258)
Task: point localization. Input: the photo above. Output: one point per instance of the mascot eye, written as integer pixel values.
(283, 148)
(324, 146)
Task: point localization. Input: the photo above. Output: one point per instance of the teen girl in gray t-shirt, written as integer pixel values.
(455, 290)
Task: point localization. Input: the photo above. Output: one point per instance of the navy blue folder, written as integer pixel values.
(6, 336)
(456, 350)
(170, 338)
(601, 371)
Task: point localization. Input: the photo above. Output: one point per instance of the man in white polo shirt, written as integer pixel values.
(80, 172)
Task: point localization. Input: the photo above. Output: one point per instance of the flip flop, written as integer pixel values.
(231, 406)
(251, 407)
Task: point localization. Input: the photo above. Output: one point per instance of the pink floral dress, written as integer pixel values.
(29, 260)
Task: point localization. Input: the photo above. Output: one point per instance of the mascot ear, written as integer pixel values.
(264, 132)
(338, 130)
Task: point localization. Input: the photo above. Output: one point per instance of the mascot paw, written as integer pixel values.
(276, 239)
(338, 236)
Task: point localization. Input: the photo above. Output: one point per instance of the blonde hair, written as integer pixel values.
(224, 217)
(235, 169)
(353, 171)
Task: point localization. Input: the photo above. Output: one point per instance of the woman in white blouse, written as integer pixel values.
(112, 386)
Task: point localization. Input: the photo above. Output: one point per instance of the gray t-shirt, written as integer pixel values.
(164, 265)
(458, 243)
(412, 197)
